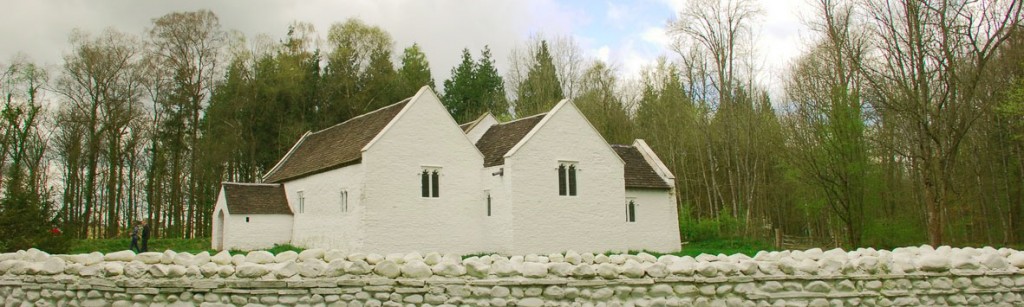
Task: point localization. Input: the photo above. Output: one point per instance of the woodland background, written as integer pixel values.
(902, 123)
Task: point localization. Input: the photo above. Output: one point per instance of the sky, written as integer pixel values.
(626, 34)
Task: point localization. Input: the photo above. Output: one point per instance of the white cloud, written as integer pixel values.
(603, 53)
(615, 13)
(657, 36)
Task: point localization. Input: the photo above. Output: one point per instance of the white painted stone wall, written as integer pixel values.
(323, 224)
(916, 276)
(656, 218)
(480, 128)
(260, 231)
(397, 218)
(593, 220)
(498, 227)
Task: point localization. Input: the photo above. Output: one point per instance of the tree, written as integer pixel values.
(359, 75)
(459, 90)
(415, 71)
(101, 85)
(931, 59)
(186, 49)
(601, 105)
(26, 210)
(475, 88)
(541, 89)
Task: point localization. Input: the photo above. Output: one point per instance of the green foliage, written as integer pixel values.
(889, 233)
(280, 248)
(415, 71)
(541, 89)
(724, 227)
(602, 107)
(747, 247)
(475, 88)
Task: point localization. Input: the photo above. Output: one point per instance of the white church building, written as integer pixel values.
(407, 177)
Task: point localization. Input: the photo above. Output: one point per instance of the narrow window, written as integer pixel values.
(247, 219)
(435, 185)
(567, 178)
(425, 183)
(572, 180)
(561, 179)
(302, 202)
(631, 211)
(430, 182)
(488, 204)
(344, 201)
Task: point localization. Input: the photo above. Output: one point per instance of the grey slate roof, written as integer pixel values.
(500, 138)
(638, 173)
(334, 147)
(251, 198)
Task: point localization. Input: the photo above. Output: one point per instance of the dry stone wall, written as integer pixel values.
(916, 276)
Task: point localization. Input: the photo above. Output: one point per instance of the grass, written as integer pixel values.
(193, 246)
(728, 247)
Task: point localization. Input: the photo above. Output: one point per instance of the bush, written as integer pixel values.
(723, 227)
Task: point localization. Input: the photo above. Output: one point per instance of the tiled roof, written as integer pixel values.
(334, 147)
(500, 138)
(638, 173)
(250, 198)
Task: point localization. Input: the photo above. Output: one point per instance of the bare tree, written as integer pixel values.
(925, 73)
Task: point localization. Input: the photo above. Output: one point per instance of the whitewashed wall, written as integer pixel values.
(498, 228)
(544, 221)
(261, 231)
(657, 221)
(323, 224)
(398, 219)
(217, 240)
(478, 131)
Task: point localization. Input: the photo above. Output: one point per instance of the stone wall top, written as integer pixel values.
(569, 266)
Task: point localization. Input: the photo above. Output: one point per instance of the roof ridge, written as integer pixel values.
(523, 118)
(251, 183)
(362, 115)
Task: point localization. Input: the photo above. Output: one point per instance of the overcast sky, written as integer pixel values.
(627, 34)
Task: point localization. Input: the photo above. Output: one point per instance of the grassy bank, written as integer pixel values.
(727, 247)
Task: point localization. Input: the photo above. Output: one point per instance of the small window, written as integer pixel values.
(488, 203)
(631, 211)
(430, 182)
(567, 178)
(344, 201)
(302, 202)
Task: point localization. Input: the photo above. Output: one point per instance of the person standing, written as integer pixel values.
(145, 236)
(136, 232)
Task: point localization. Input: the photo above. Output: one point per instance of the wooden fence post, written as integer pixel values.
(778, 239)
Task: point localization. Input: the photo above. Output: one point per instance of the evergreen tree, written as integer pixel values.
(490, 86)
(541, 90)
(459, 88)
(415, 71)
(475, 88)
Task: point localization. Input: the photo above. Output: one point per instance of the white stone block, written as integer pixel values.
(221, 258)
(251, 270)
(533, 270)
(312, 253)
(124, 256)
(415, 269)
(432, 258)
(259, 257)
(388, 268)
(286, 256)
(374, 259)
